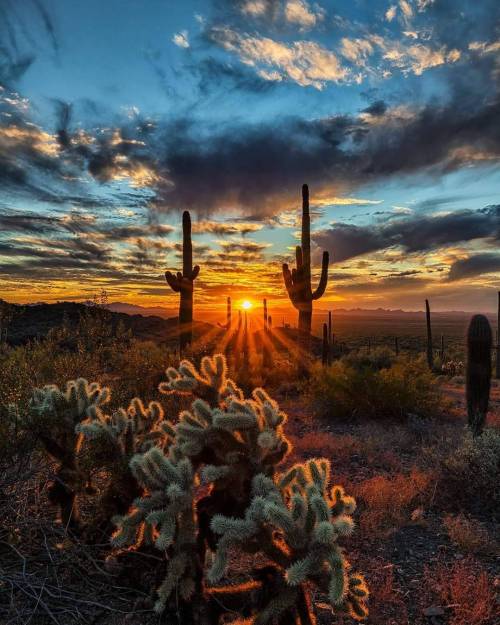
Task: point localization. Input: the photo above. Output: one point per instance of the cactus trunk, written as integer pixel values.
(430, 356)
(265, 314)
(478, 374)
(228, 313)
(298, 281)
(325, 346)
(497, 369)
(183, 283)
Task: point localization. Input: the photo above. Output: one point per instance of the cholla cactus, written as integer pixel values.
(296, 521)
(165, 515)
(54, 415)
(128, 431)
(112, 441)
(235, 442)
(210, 382)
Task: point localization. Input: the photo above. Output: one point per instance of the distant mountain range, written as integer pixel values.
(34, 321)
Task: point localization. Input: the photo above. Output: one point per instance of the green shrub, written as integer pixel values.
(344, 391)
(470, 474)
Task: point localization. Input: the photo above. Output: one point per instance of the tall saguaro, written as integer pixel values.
(497, 368)
(183, 283)
(430, 355)
(298, 280)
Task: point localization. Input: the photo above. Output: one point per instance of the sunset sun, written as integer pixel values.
(246, 304)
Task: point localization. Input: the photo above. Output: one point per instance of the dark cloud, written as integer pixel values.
(474, 266)
(215, 75)
(377, 108)
(413, 234)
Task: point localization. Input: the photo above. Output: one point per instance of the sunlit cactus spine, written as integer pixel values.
(298, 281)
(111, 441)
(54, 415)
(296, 522)
(183, 283)
(478, 372)
(430, 355)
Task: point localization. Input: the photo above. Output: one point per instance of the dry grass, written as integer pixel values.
(387, 606)
(466, 591)
(468, 534)
(389, 501)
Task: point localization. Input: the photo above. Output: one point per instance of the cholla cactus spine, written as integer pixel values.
(55, 415)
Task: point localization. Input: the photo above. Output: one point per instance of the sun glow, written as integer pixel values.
(246, 304)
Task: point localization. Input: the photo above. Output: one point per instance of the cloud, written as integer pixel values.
(483, 47)
(412, 234)
(225, 228)
(301, 13)
(306, 63)
(216, 75)
(474, 266)
(181, 39)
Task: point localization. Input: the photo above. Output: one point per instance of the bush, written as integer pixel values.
(468, 534)
(343, 391)
(470, 474)
(389, 501)
(466, 589)
(375, 359)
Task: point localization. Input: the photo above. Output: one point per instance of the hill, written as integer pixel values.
(36, 320)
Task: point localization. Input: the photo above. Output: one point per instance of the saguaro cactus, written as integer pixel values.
(183, 283)
(265, 314)
(478, 374)
(497, 371)
(228, 313)
(430, 356)
(298, 281)
(325, 346)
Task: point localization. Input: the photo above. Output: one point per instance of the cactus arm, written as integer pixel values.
(324, 277)
(195, 272)
(172, 281)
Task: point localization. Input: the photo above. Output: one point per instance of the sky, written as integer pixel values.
(116, 116)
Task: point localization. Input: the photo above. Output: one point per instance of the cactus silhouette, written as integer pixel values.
(298, 280)
(478, 374)
(183, 283)
(228, 313)
(497, 371)
(325, 349)
(430, 356)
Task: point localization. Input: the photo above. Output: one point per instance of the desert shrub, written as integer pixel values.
(343, 392)
(466, 589)
(389, 501)
(468, 534)
(208, 485)
(375, 359)
(470, 473)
